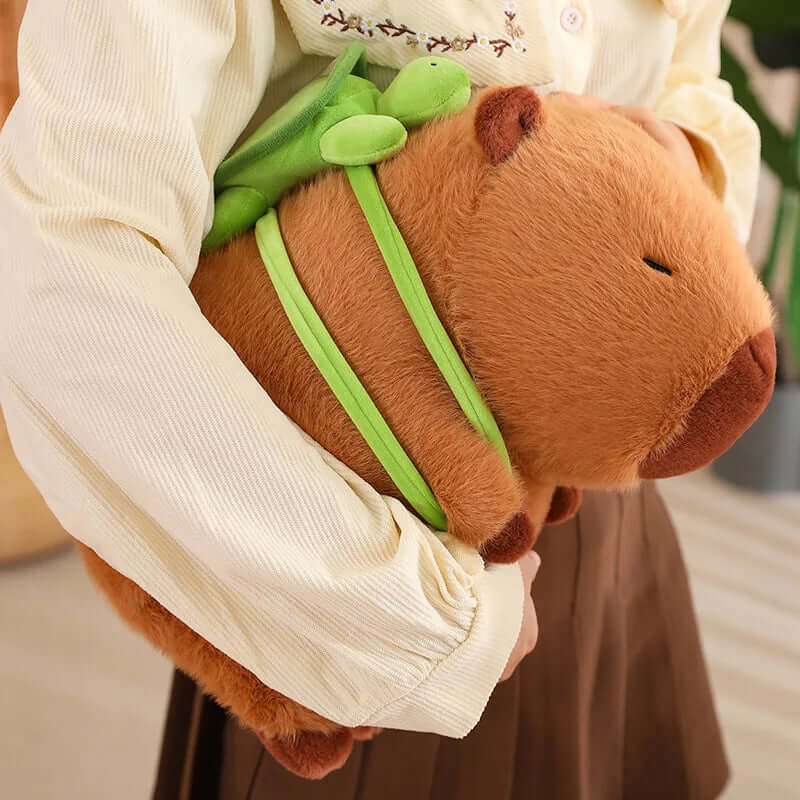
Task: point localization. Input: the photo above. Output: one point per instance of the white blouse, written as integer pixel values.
(150, 440)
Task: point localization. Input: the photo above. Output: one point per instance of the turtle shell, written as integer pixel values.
(292, 118)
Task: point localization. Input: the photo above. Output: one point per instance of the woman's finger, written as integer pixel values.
(529, 565)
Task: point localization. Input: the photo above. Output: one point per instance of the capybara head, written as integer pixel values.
(602, 300)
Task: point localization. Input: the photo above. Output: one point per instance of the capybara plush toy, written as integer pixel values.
(596, 293)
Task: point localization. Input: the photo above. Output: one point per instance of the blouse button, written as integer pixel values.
(571, 19)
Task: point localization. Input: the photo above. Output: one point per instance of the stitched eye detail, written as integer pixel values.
(656, 266)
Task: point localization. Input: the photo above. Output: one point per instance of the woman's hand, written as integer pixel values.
(667, 134)
(529, 632)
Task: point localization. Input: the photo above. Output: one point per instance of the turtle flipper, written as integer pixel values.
(363, 139)
(235, 210)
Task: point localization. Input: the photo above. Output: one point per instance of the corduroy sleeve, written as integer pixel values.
(726, 139)
(149, 439)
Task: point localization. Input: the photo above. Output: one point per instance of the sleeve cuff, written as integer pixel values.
(735, 194)
(725, 140)
(709, 157)
(452, 698)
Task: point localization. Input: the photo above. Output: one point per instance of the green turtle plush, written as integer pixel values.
(338, 120)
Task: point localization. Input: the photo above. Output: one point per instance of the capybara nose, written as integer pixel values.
(723, 413)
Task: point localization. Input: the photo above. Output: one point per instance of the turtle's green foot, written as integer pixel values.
(235, 210)
(361, 140)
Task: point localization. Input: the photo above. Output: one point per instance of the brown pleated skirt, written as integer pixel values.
(614, 702)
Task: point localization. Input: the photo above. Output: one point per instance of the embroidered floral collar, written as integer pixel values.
(350, 20)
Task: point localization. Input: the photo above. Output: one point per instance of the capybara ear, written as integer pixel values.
(504, 118)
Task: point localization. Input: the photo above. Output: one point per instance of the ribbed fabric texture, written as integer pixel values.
(149, 439)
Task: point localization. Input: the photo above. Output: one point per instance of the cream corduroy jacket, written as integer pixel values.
(146, 435)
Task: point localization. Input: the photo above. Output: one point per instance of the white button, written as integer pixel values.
(572, 19)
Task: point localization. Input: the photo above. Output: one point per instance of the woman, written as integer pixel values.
(136, 458)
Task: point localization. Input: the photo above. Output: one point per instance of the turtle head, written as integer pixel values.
(426, 89)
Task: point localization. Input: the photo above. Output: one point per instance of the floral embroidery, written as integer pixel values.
(334, 16)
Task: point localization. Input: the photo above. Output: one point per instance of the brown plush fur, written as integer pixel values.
(530, 235)
(314, 755)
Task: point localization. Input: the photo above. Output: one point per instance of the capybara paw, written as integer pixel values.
(311, 755)
(564, 505)
(517, 538)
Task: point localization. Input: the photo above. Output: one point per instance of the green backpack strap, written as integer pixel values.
(411, 289)
(344, 383)
(340, 376)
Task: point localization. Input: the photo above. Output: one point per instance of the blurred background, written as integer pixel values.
(83, 699)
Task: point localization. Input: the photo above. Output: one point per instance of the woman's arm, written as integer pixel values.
(726, 141)
(148, 437)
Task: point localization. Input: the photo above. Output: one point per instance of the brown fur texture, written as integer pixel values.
(529, 221)
(314, 755)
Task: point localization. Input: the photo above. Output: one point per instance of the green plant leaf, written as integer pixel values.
(767, 15)
(776, 148)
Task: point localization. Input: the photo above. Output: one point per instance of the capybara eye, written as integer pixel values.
(656, 266)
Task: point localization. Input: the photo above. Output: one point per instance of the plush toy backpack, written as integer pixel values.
(527, 295)
(341, 119)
